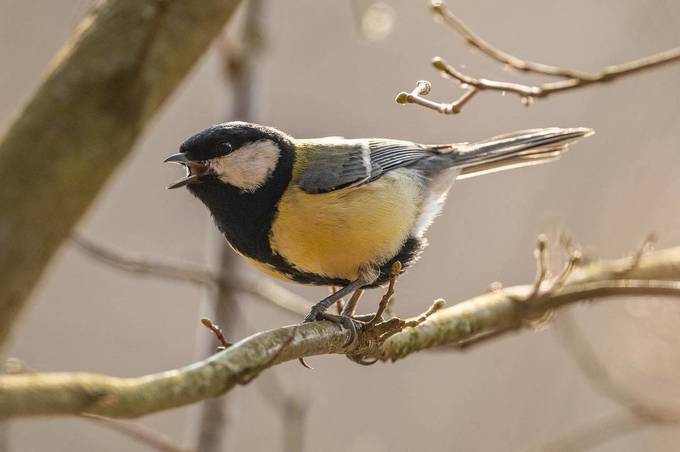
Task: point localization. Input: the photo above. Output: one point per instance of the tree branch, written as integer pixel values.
(104, 85)
(132, 430)
(472, 321)
(594, 434)
(238, 71)
(139, 433)
(256, 286)
(570, 78)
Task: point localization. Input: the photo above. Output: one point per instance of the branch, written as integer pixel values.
(132, 430)
(472, 321)
(605, 383)
(123, 61)
(259, 287)
(291, 411)
(239, 76)
(139, 433)
(599, 432)
(570, 78)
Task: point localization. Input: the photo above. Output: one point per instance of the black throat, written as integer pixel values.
(245, 218)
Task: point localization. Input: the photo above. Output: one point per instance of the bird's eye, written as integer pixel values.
(225, 148)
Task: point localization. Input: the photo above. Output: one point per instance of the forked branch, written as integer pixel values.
(568, 78)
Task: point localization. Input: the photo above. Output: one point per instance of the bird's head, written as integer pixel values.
(238, 154)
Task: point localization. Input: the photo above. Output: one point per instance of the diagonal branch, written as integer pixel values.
(139, 433)
(256, 286)
(472, 321)
(122, 62)
(569, 78)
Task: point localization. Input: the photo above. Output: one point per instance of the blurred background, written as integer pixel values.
(334, 68)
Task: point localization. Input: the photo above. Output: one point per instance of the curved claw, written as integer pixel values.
(304, 363)
(365, 362)
(345, 321)
(342, 320)
(312, 316)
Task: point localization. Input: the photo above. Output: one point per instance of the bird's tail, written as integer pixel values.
(523, 148)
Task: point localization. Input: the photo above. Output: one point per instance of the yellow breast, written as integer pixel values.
(337, 234)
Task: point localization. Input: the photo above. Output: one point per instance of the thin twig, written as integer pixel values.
(593, 434)
(639, 413)
(600, 378)
(436, 306)
(143, 266)
(217, 331)
(291, 409)
(139, 433)
(440, 9)
(542, 270)
(259, 287)
(387, 297)
(423, 87)
(645, 247)
(569, 78)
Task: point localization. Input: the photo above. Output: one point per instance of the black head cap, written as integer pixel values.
(224, 138)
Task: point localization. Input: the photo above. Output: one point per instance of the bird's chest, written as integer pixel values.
(340, 233)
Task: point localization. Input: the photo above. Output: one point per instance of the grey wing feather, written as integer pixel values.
(340, 164)
(351, 163)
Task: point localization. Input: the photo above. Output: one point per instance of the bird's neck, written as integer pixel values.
(245, 218)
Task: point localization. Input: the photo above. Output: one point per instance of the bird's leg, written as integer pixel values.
(340, 303)
(318, 311)
(351, 305)
(385, 300)
(327, 302)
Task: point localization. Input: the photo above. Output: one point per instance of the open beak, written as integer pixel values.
(194, 169)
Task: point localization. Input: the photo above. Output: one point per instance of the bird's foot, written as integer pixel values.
(343, 320)
(346, 321)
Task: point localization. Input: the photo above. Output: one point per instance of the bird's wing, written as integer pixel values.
(352, 163)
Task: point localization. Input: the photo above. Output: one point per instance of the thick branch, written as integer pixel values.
(488, 315)
(121, 64)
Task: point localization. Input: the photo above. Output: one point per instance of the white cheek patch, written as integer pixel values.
(249, 166)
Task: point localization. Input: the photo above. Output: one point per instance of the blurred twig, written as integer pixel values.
(593, 434)
(139, 433)
(638, 413)
(602, 381)
(473, 321)
(569, 78)
(257, 286)
(291, 409)
(238, 69)
(576, 344)
(101, 89)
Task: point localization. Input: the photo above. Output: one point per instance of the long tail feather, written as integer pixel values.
(523, 148)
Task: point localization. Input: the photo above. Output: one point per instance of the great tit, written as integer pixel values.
(334, 211)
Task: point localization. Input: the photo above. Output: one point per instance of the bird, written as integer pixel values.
(339, 212)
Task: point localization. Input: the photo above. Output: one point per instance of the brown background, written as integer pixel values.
(319, 77)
